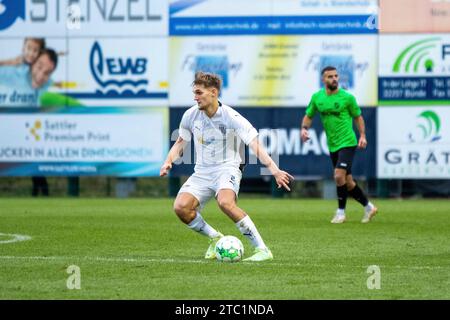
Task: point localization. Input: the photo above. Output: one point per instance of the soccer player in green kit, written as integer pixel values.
(337, 109)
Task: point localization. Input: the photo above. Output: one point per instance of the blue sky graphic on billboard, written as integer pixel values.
(345, 66)
(214, 64)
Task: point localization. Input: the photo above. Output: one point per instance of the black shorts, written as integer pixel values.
(343, 158)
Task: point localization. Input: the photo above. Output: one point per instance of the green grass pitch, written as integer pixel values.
(138, 249)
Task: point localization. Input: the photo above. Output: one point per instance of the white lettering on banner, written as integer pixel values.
(62, 168)
(115, 152)
(63, 153)
(312, 144)
(288, 142)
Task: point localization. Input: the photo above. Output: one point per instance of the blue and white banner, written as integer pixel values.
(279, 132)
(266, 17)
(417, 146)
(414, 69)
(83, 141)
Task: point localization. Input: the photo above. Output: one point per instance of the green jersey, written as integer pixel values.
(336, 112)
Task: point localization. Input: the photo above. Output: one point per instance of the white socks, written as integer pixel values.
(368, 207)
(245, 226)
(248, 229)
(200, 225)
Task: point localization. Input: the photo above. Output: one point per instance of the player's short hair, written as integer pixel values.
(208, 80)
(52, 55)
(39, 41)
(327, 68)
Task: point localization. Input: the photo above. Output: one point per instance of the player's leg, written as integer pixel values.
(340, 172)
(190, 199)
(227, 190)
(355, 191)
(226, 199)
(186, 207)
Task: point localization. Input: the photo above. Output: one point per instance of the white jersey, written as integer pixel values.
(218, 139)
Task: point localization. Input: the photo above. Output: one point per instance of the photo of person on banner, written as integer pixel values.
(23, 80)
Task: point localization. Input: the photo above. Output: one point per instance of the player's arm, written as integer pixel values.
(307, 119)
(306, 124)
(360, 125)
(355, 111)
(175, 152)
(282, 177)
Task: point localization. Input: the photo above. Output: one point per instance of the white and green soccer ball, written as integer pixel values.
(229, 249)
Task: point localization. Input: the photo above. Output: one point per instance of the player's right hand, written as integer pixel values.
(165, 169)
(283, 179)
(304, 135)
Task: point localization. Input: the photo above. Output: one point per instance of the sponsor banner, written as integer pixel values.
(83, 141)
(20, 84)
(46, 18)
(279, 132)
(417, 147)
(214, 17)
(273, 71)
(114, 72)
(414, 69)
(420, 16)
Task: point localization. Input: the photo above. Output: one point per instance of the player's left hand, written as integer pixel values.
(362, 143)
(165, 169)
(283, 179)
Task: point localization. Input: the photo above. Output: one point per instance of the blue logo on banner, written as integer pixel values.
(10, 10)
(214, 64)
(181, 5)
(108, 72)
(345, 66)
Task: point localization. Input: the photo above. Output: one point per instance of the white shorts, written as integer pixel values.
(204, 186)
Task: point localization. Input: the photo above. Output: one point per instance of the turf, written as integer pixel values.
(137, 249)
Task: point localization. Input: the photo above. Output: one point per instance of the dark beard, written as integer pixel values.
(332, 87)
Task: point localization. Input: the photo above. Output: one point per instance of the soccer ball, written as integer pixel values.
(229, 249)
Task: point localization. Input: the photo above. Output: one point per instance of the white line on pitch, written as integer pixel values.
(173, 260)
(15, 237)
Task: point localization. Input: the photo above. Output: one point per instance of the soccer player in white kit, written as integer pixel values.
(217, 130)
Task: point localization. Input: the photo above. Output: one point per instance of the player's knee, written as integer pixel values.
(182, 210)
(339, 178)
(226, 205)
